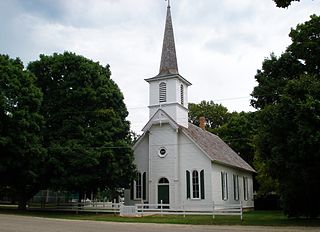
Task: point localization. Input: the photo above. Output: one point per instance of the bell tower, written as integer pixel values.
(169, 90)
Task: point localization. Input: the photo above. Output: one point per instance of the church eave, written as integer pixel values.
(170, 76)
(152, 121)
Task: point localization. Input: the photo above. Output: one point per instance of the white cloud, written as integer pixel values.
(220, 44)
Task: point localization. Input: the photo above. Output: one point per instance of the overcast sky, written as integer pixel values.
(220, 43)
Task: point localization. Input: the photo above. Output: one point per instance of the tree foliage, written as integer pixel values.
(288, 137)
(239, 133)
(236, 129)
(284, 3)
(86, 131)
(301, 57)
(22, 156)
(216, 114)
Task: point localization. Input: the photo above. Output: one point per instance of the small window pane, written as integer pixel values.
(195, 184)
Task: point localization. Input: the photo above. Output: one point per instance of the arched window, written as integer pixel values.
(195, 184)
(182, 94)
(195, 181)
(163, 181)
(162, 92)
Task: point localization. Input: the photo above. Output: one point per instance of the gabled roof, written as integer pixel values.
(160, 116)
(215, 148)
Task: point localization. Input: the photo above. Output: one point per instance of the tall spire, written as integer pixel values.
(168, 63)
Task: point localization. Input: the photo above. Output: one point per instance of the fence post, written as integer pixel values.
(213, 210)
(113, 206)
(142, 206)
(161, 207)
(241, 210)
(184, 211)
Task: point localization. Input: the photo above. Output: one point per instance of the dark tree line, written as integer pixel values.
(63, 126)
(282, 138)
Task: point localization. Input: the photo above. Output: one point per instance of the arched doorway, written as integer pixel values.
(163, 191)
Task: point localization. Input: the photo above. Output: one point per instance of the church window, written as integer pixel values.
(144, 186)
(245, 188)
(195, 184)
(236, 187)
(188, 183)
(224, 185)
(202, 184)
(163, 181)
(162, 152)
(138, 187)
(162, 92)
(182, 94)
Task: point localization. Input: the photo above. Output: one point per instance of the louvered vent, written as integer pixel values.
(162, 92)
(182, 95)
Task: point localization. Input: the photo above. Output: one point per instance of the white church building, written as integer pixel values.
(178, 162)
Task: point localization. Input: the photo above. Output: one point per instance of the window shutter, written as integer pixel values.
(188, 183)
(227, 191)
(202, 183)
(131, 190)
(144, 184)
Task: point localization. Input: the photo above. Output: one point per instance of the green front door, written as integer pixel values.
(163, 194)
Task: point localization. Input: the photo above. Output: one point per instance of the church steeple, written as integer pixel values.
(168, 90)
(168, 63)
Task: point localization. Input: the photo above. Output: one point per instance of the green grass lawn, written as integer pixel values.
(254, 218)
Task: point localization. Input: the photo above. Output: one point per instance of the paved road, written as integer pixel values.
(9, 223)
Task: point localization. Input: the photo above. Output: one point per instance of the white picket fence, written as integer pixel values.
(96, 207)
(143, 209)
(164, 209)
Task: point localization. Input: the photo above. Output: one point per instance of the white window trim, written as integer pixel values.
(245, 188)
(236, 187)
(224, 186)
(141, 187)
(165, 154)
(191, 185)
(136, 186)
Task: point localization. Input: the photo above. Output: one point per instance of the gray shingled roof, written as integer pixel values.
(168, 63)
(216, 148)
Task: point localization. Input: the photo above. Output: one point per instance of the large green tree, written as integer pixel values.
(216, 114)
(86, 131)
(239, 132)
(236, 129)
(22, 157)
(287, 143)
